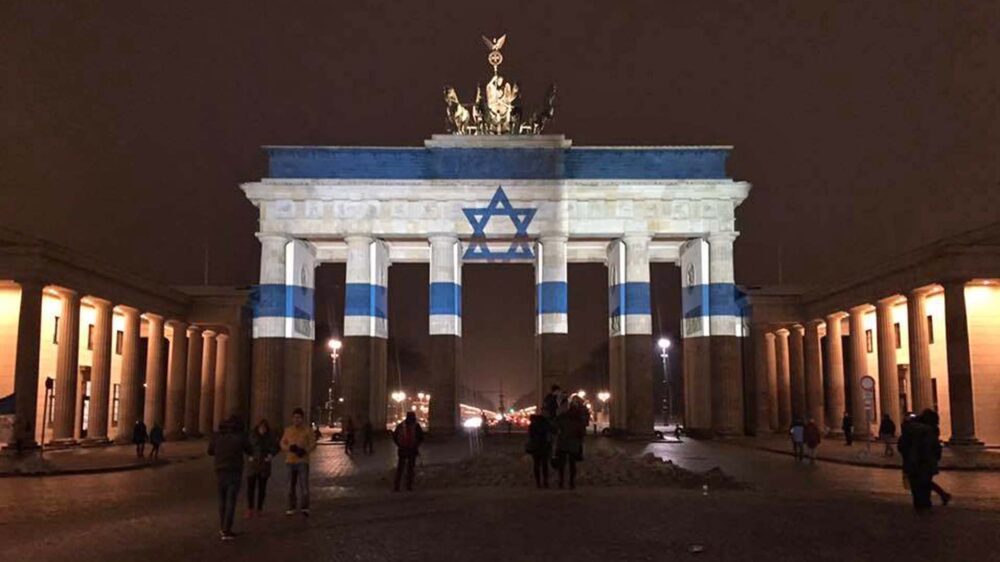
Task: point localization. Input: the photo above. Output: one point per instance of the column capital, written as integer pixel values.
(153, 317)
(221, 336)
(918, 292)
(860, 309)
(97, 302)
(441, 238)
(836, 316)
(272, 237)
(782, 332)
(66, 292)
(358, 239)
(637, 238)
(769, 335)
(30, 282)
(208, 334)
(193, 331)
(889, 301)
(722, 236)
(797, 328)
(177, 324)
(553, 237)
(815, 323)
(954, 281)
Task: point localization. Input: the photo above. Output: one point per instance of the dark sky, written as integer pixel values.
(866, 128)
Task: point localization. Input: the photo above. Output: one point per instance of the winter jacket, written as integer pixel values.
(887, 428)
(262, 450)
(539, 436)
(298, 442)
(228, 446)
(571, 432)
(813, 435)
(918, 445)
(408, 443)
(139, 435)
(156, 435)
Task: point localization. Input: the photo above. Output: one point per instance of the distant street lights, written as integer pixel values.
(664, 345)
(604, 396)
(398, 397)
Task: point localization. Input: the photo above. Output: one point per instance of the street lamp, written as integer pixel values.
(398, 396)
(334, 344)
(664, 345)
(581, 393)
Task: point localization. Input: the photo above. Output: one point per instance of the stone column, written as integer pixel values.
(29, 328)
(784, 379)
(920, 351)
(283, 329)
(551, 313)
(888, 371)
(192, 385)
(67, 365)
(131, 394)
(156, 380)
(207, 408)
(631, 335)
(696, 309)
(859, 369)
(773, 420)
(445, 325)
(762, 389)
(814, 373)
(221, 357)
(100, 372)
(797, 371)
(176, 380)
(963, 422)
(834, 381)
(726, 332)
(366, 330)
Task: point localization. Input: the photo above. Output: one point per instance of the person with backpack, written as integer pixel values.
(228, 446)
(540, 448)
(298, 441)
(139, 437)
(155, 439)
(264, 445)
(408, 436)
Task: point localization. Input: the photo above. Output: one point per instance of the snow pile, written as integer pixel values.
(601, 468)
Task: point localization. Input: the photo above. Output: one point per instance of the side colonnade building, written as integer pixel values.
(87, 349)
(922, 328)
(498, 198)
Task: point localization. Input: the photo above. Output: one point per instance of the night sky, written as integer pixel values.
(866, 128)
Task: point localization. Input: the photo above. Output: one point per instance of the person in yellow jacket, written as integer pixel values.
(297, 442)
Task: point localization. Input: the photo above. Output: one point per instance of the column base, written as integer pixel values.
(965, 442)
(61, 443)
(95, 442)
(25, 447)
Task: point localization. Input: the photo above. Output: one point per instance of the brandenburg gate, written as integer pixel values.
(496, 188)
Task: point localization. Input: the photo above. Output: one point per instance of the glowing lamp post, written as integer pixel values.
(604, 396)
(334, 345)
(398, 397)
(664, 345)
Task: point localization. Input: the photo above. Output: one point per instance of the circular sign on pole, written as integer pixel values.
(868, 395)
(867, 383)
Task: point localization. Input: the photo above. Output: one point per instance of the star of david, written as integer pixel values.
(499, 206)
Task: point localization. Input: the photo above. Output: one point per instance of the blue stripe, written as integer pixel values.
(629, 298)
(553, 297)
(285, 301)
(714, 299)
(446, 298)
(364, 299)
(497, 163)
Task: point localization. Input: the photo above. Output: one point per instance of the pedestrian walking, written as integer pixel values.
(540, 448)
(155, 440)
(298, 441)
(408, 436)
(367, 438)
(347, 427)
(917, 447)
(933, 420)
(569, 442)
(886, 434)
(847, 425)
(228, 446)
(139, 437)
(813, 436)
(798, 434)
(263, 447)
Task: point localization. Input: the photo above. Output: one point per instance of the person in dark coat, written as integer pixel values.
(917, 445)
(408, 436)
(155, 439)
(931, 418)
(886, 433)
(348, 430)
(847, 425)
(569, 443)
(813, 436)
(540, 448)
(368, 438)
(263, 447)
(550, 404)
(228, 446)
(139, 437)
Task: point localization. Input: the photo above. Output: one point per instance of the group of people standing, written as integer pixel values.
(556, 436)
(367, 436)
(239, 455)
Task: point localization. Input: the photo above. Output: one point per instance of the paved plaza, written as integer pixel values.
(790, 512)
